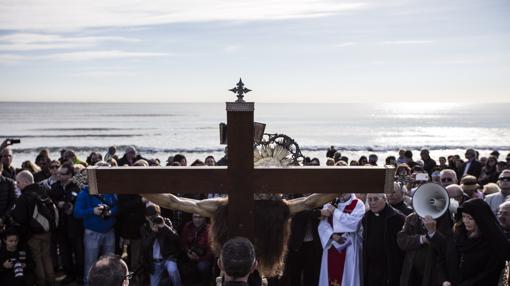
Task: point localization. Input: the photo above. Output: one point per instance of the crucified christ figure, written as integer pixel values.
(271, 223)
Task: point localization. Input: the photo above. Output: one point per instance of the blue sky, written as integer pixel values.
(285, 51)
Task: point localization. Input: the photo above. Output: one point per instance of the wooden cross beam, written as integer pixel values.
(240, 180)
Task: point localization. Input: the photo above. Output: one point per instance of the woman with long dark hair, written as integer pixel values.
(489, 173)
(477, 251)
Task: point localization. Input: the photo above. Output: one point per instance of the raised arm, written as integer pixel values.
(309, 202)
(205, 208)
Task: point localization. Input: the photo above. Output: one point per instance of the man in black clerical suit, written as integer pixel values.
(471, 166)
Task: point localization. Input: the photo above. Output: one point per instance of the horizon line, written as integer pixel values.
(213, 102)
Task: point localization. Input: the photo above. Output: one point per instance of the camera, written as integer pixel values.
(106, 211)
(17, 268)
(157, 220)
(11, 141)
(199, 251)
(70, 201)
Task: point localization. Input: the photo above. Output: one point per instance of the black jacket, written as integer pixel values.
(474, 169)
(68, 224)
(9, 172)
(394, 220)
(403, 208)
(24, 208)
(474, 260)
(7, 195)
(408, 240)
(131, 216)
(41, 175)
(168, 240)
(124, 161)
(7, 276)
(299, 225)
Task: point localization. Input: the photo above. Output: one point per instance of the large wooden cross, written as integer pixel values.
(240, 180)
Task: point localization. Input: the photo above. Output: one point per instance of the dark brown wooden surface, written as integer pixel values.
(139, 180)
(200, 180)
(240, 170)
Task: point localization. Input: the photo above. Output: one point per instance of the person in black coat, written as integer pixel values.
(396, 199)
(382, 258)
(304, 250)
(16, 265)
(158, 233)
(7, 196)
(471, 166)
(130, 218)
(130, 157)
(69, 233)
(478, 249)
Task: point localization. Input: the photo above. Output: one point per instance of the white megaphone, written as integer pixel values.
(431, 199)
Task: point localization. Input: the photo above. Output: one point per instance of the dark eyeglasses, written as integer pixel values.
(130, 275)
(446, 180)
(504, 179)
(54, 167)
(503, 213)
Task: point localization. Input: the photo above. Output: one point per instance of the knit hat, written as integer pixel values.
(469, 183)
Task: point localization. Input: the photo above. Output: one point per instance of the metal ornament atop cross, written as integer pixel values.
(240, 90)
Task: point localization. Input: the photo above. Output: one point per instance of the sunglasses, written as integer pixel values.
(469, 183)
(446, 180)
(54, 166)
(505, 179)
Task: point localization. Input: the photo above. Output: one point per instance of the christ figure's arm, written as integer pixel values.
(205, 208)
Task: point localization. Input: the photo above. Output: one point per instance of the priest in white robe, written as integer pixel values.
(340, 234)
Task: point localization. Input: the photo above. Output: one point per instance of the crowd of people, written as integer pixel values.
(54, 231)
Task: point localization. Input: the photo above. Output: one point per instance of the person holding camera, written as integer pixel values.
(69, 233)
(15, 261)
(160, 243)
(98, 212)
(195, 241)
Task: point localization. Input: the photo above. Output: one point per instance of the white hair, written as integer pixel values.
(25, 177)
(505, 204)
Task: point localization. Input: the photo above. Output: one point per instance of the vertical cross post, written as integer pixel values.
(240, 167)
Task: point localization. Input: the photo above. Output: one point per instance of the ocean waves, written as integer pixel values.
(304, 149)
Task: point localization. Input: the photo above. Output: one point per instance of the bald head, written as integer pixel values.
(24, 178)
(455, 192)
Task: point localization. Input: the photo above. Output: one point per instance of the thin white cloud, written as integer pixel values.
(81, 56)
(33, 41)
(101, 73)
(346, 44)
(231, 49)
(56, 15)
(101, 55)
(12, 59)
(407, 42)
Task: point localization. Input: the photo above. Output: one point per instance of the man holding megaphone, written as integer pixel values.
(420, 232)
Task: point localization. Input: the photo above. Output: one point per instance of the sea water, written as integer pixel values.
(159, 130)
